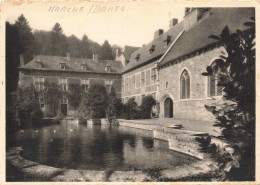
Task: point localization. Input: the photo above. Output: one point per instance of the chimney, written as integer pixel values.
(173, 22)
(95, 57)
(187, 11)
(21, 60)
(193, 16)
(158, 33)
(68, 56)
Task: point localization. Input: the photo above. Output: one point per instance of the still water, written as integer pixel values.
(88, 147)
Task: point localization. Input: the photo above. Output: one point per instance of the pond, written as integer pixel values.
(97, 147)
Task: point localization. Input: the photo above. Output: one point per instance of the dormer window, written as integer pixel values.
(62, 66)
(83, 66)
(38, 63)
(137, 57)
(167, 40)
(108, 68)
(151, 50)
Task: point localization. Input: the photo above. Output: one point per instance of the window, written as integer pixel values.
(142, 96)
(64, 100)
(39, 83)
(167, 40)
(166, 85)
(154, 95)
(148, 74)
(185, 85)
(62, 66)
(153, 75)
(122, 87)
(213, 88)
(133, 81)
(126, 84)
(142, 78)
(42, 105)
(109, 85)
(84, 85)
(84, 67)
(63, 84)
(137, 57)
(151, 50)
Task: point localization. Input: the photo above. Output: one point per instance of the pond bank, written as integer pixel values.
(183, 141)
(33, 171)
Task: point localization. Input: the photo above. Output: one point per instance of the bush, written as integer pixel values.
(236, 114)
(114, 108)
(131, 110)
(52, 96)
(28, 105)
(94, 103)
(146, 107)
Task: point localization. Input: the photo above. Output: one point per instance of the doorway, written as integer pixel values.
(168, 108)
(64, 109)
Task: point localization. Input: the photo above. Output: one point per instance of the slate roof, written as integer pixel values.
(212, 23)
(159, 49)
(74, 64)
(128, 51)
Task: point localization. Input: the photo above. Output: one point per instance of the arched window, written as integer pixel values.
(213, 89)
(185, 84)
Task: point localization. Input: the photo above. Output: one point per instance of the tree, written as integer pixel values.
(74, 45)
(146, 107)
(106, 52)
(74, 95)
(26, 38)
(132, 111)
(236, 114)
(52, 96)
(95, 102)
(115, 106)
(58, 40)
(42, 39)
(13, 49)
(28, 104)
(85, 50)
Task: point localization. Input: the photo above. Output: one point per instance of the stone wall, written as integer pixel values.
(192, 108)
(26, 78)
(147, 89)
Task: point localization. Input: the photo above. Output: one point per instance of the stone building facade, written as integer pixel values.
(65, 71)
(169, 67)
(179, 57)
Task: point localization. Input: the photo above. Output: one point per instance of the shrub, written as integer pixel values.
(52, 96)
(236, 114)
(28, 105)
(114, 108)
(146, 107)
(94, 103)
(132, 111)
(74, 95)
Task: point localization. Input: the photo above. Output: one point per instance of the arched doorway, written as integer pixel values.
(168, 108)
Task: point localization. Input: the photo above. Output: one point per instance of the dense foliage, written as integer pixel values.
(236, 114)
(146, 107)
(52, 96)
(21, 39)
(74, 95)
(28, 104)
(94, 103)
(114, 107)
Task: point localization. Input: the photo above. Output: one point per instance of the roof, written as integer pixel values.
(159, 48)
(128, 51)
(212, 23)
(74, 64)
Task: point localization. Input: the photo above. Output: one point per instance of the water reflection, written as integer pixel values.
(76, 146)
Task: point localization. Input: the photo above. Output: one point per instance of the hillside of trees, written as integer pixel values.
(21, 39)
